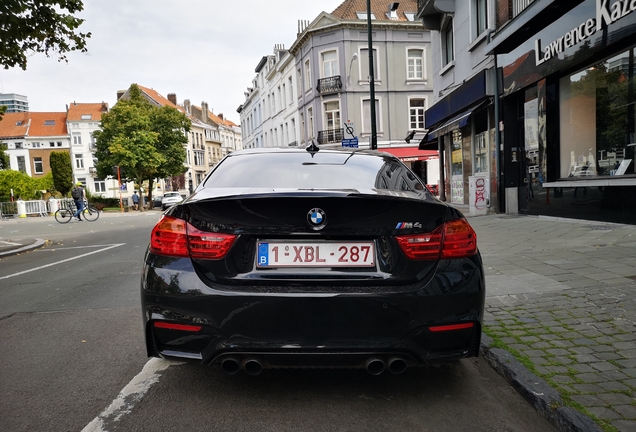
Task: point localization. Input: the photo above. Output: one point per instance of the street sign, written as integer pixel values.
(350, 142)
(349, 131)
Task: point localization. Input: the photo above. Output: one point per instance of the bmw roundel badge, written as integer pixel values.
(317, 218)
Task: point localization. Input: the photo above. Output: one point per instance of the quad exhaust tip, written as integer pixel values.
(253, 366)
(230, 365)
(374, 366)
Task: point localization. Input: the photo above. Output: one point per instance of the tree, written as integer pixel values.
(4, 158)
(145, 141)
(62, 171)
(23, 185)
(40, 26)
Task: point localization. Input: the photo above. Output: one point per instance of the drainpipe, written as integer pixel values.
(497, 132)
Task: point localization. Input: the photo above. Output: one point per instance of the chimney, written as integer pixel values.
(172, 97)
(221, 116)
(120, 93)
(104, 107)
(204, 111)
(186, 104)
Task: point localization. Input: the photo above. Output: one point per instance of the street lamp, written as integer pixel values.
(374, 134)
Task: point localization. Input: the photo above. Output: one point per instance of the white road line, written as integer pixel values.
(62, 261)
(134, 391)
(9, 243)
(55, 249)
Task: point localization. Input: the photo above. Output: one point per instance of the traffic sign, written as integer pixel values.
(350, 142)
(349, 131)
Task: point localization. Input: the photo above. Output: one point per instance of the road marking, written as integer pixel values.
(9, 243)
(62, 261)
(55, 249)
(134, 391)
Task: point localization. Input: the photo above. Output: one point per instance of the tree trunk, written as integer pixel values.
(150, 203)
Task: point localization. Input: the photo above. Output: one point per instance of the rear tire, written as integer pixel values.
(63, 216)
(91, 214)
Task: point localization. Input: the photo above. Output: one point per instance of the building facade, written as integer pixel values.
(461, 119)
(30, 138)
(14, 102)
(568, 108)
(82, 119)
(319, 90)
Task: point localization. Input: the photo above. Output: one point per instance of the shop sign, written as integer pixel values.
(606, 14)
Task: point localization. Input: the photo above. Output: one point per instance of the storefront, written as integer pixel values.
(462, 126)
(568, 108)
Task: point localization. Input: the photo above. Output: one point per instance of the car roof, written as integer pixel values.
(332, 150)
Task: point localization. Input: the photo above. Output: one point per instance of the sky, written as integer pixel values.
(201, 50)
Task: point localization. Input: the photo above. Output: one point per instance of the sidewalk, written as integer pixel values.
(560, 321)
(561, 297)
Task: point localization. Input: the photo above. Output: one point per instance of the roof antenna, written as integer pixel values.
(312, 148)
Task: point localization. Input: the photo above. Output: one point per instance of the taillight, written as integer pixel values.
(175, 237)
(453, 239)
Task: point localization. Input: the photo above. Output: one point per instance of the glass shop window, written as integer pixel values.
(598, 118)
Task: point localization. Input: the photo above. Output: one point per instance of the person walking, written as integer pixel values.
(79, 196)
(135, 200)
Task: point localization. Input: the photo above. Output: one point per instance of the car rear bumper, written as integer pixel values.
(307, 329)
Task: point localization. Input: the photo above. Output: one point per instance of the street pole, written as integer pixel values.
(374, 135)
(121, 204)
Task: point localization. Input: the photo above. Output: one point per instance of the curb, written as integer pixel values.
(536, 391)
(37, 244)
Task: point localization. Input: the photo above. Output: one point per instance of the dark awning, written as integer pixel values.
(410, 154)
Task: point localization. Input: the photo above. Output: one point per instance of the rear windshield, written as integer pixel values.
(171, 194)
(323, 171)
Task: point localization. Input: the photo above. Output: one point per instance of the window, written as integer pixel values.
(82, 180)
(307, 76)
(51, 144)
(37, 165)
(416, 113)
(448, 49)
(87, 116)
(79, 161)
(410, 16)
(329, 64)
(76, 125)
(199, 158)
(100, 185)
(77, 138)
(332, 115)
(310, 117)
(415, 60)
(364, 64)
(59, 144)
(49, 122)
(302, 127)
(35, 144)
(21, 164)
(481, 16)
(299, 77)
(366, 115)
(597, 115)
(291, 90)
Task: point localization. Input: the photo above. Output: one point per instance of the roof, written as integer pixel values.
(158, 98)
(34, 124)
(9, 122)
(379, 8)
(78, 111)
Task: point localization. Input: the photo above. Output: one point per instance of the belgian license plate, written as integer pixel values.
(316, 254)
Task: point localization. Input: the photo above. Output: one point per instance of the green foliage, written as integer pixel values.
(145, 141)
(39, 26)
(4, 158)
(23, 185)
(62, 172)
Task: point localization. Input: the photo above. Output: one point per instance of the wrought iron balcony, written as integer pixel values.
(330, 136)
(329, 85)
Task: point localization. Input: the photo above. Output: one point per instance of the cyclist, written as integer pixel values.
(79, 196)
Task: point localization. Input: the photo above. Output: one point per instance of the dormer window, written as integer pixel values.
(363, 15)
(49, 122)
(410, 16)
(87, 116)
(19, 123)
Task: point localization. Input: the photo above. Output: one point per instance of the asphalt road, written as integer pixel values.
(72, 358)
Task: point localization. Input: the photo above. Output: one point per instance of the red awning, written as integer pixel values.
(411, 154)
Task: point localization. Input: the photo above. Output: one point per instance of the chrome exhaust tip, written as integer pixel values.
(397, 365)
(230, 365)
(253, 367)
(374, 366)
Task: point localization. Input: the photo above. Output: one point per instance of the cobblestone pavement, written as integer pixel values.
(561, 296)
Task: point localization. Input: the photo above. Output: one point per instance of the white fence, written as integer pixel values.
(33, 208)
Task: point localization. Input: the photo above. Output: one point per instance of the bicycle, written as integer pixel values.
(89, 213)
